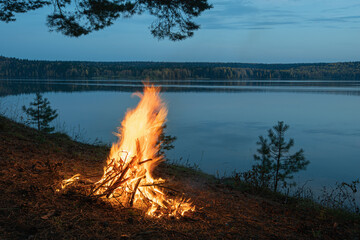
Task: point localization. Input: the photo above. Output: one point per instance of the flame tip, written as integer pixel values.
(127, 177)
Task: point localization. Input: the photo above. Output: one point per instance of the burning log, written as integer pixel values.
(128, 176)
(133, 193)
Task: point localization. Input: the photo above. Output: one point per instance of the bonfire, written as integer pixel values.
(127, 179)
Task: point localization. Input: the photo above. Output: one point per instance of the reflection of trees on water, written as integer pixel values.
(14, 87)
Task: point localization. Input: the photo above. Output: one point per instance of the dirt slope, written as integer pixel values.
(32, 165)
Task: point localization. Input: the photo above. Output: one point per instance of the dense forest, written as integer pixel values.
(12, 68)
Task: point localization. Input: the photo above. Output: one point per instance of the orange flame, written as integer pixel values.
(128, 176)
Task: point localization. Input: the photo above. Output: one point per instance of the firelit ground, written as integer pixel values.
(32, 165)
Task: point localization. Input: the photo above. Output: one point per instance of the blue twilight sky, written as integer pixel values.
(268, 31)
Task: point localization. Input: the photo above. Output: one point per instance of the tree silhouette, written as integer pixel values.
(263, 167)
(274, 159)
(41, 113)
(165, 141)
(174, 18)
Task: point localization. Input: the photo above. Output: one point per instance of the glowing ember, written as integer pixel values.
(127, 177)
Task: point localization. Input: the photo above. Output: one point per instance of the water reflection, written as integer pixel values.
(219, 130)
(14, 87)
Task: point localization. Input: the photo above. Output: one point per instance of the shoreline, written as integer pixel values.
(33, 164)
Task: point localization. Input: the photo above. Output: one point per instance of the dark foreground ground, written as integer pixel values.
(32, 165)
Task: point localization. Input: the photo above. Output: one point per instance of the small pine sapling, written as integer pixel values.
(40, 113)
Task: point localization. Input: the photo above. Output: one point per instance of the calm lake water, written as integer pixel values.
(217, 123)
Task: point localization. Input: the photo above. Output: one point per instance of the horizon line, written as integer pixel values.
(187, 62)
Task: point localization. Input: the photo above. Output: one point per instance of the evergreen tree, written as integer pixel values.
(165, 141)
(275, 161)
(40, 113)
(262, 169)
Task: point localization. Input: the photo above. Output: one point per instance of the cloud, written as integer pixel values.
(347, 8)
(242, 14)
(344, 19)
(233, 8)
(267, 14)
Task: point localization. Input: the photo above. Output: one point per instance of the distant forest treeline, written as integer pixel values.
(12, 68)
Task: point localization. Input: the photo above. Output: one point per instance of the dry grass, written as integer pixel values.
(33, 165)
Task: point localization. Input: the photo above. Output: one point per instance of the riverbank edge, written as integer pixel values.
(70, 156)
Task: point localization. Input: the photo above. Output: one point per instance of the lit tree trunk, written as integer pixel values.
(262, 178)
(277, 171)
(38, 116)
(278, 161)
